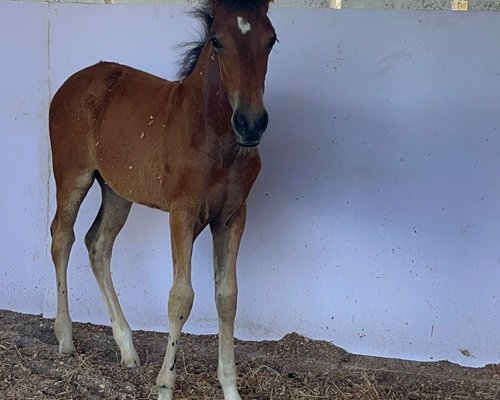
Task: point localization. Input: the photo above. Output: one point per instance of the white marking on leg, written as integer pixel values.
(121, 329)
(226, 371)
(100, 244)
(180, 303)
(243, 25)
(123, 338)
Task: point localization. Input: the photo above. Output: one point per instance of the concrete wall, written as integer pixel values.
(490, 5)
(375, 221)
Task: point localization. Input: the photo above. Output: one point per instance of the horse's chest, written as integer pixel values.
(226, 189)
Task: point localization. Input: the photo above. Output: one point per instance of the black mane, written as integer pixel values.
(193, 49)
(204, 14)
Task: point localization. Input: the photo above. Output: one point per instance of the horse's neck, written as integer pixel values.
(215, 105)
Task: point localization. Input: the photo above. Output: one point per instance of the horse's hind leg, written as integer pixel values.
(99, 240)
(71, 190)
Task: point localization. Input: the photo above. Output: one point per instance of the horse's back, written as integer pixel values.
(76, 92)
(88, 88)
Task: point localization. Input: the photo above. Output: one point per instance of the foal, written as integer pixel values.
(186, 147)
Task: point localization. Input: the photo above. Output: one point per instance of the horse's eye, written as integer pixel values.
(272, 42)
(216, 43)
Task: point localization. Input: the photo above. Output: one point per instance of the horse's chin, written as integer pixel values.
(248, 145)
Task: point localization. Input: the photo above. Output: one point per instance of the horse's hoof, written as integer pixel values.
(165, 393)
(66, 348)
(133, 362)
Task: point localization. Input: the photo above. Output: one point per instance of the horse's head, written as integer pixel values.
(241, 38)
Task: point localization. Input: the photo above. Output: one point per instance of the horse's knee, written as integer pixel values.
(225, 300)
(180, 302)
(62, 240)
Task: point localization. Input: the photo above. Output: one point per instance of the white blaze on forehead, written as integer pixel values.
(244, 25)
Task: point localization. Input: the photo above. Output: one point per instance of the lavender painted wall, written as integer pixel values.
(375, 221)
(24, 99)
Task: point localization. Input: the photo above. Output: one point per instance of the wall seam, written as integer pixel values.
(47, 166)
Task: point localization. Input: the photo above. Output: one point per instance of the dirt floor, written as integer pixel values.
(292, 368)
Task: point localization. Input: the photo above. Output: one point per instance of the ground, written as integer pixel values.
(292, 368)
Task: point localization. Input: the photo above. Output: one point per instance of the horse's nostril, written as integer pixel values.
(250, 127)
(262, 122)
(240, 122)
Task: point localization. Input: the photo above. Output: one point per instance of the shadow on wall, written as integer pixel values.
(318, 167)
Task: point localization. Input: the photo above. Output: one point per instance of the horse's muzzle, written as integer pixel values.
(249, 128)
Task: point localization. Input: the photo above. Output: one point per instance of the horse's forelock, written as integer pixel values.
(239, 4)
(204, 14)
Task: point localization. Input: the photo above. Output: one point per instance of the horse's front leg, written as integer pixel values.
(183, 233)
(226, 241)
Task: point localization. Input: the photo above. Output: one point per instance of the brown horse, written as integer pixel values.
(187, 147)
